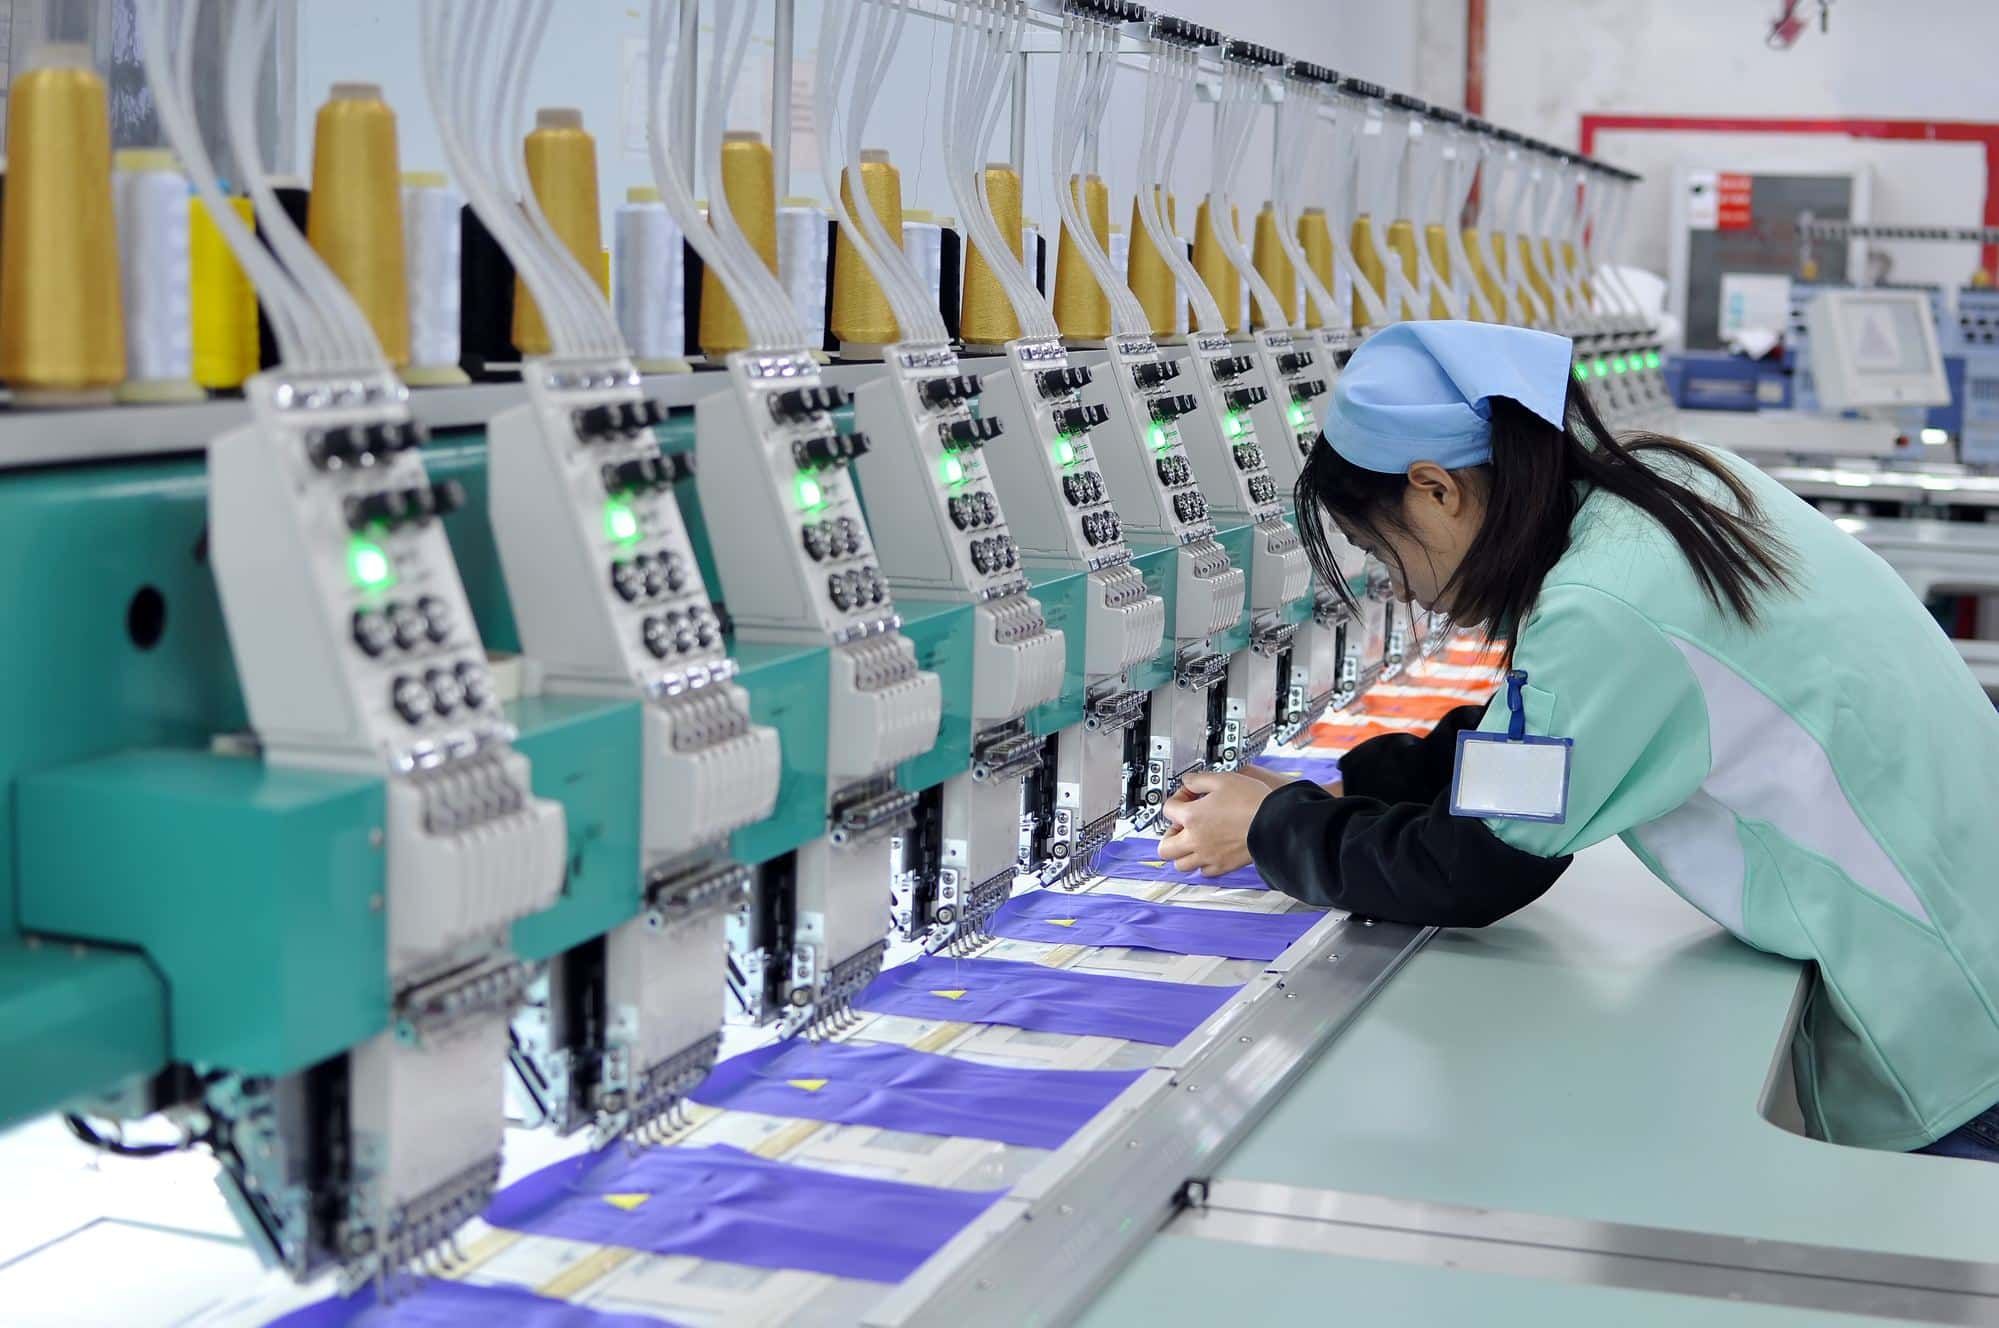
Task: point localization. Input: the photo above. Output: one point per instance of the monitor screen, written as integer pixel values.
(1885, 334)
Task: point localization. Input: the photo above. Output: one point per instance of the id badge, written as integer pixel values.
(1511, 775)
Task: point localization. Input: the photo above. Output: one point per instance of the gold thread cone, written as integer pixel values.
(861, 314)
(1438, 242)
(224, 302)
(562, 171)
(1530, 268)
(1082, 310)
(1402, 243)
(1315, 236)
(1572, 263)
(987, 317)
(748, 185)
(62, 319)
(354, 217)
(1368, 262)
(1217, 273)
(1488, 285)
(1148, 276)
(1274, 264)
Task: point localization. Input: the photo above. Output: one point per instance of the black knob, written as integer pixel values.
(836, 590)
(636, 473)
(942, 392)
(595, 422)
(1306, 389)
(436, 618)
(1060, 382)
(335, 447)
(1296, 361)
(388, 507)
(1155, 372)
(1071, 420)
(969, 433)
(1243, 398)
(657, 636)
(446, 695)
(1232, 366)
(475, 685)
(1168, 409)
(372, 632)
(410, 698)
(800, 402)
(826, 449)
(817, 541)
(628, 579)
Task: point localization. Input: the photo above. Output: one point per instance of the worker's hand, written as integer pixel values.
(1211, 815)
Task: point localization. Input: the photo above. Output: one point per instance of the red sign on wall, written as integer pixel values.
(1732, 197)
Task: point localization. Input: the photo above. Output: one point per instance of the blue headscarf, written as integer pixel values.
(1421, 392)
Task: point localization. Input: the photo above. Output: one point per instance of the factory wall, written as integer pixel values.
(1549, 63)
(593, 58)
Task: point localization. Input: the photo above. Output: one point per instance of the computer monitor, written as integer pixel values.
(1875, 348)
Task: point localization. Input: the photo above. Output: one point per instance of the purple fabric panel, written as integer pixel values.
(1318, 769)
(722, 1203)
(899, 1089)
(1046, 1000)
(1060, 918)
(433, 1303)
(1137, 859)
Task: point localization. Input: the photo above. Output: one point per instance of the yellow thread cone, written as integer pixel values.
(1368, 263)
(748, 185)
(224, 302)
(986, 318)
(62, 319)
(861, 314)
(354, 217)
(1217, 273)
(1082, 310)
(1402, 243)
(1488, 285)
(1438, 241)
(562, 171)
(1315, 236)
(1274, 264)
(1148, 276)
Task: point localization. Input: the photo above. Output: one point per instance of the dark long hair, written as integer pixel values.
(1532, 487)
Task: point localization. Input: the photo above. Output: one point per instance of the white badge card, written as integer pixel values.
(1512, 775)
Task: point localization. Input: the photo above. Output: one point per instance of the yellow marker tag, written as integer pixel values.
(957, 994)
(1155, 862)
(1061, 922)
(626, 1201)
(809, 1085)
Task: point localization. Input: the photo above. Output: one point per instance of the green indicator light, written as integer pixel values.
(1651, 359)
(954, 470)
(1618, 364)
(369, 565)
(1233, 425)
(621, 523)
(1065, 451)
(810, 495)
(1599, 368)
(1156, 435)
(1299, 415)
(1582, 374)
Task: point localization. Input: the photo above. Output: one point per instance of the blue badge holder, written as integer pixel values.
(1534, 771)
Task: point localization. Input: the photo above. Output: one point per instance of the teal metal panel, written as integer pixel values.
(585, 754)
(942, 634)
(1063, 604)
(257, 893)
(74, 1020)
(788, 691)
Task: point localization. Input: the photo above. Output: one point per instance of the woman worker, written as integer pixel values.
(1755, 703)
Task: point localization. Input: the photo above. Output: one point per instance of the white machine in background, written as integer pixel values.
(1875, 348)
(609, 601)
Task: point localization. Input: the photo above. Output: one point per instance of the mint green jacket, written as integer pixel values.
(1824, 784)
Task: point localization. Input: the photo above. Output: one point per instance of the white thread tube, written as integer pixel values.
(149, 195)
(648, 281)
(432, 245)
(801, 264)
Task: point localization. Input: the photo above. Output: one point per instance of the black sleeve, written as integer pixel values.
(1409, 862)
(1401, 767)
